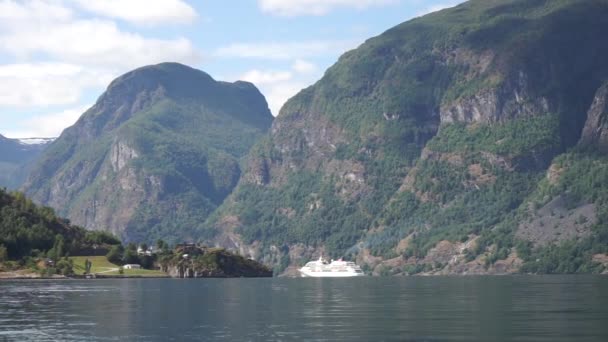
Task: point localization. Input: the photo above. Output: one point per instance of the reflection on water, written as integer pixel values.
(380, 309)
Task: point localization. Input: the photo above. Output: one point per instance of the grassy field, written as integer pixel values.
(102, 266)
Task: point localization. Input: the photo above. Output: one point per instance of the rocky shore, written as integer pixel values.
(192, 261)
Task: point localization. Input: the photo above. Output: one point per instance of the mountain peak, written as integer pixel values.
(174, 78)
(143, 88)
(162, 141)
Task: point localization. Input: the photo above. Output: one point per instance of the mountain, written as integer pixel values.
(16, 155)
(156, 154)
(470, 140)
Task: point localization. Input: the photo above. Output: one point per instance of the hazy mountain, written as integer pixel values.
(471, 140)
(156, 154)
(16, 155)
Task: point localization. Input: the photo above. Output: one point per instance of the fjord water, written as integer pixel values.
(519, 308)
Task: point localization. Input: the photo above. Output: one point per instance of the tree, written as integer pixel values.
(65, 267)
(146, 261)
(57, 251)
(130, 257)
(101, 237)
(161, 244)
(87, 266)
(3, 253)
(144, 247)
(132, 247)
(115, 254)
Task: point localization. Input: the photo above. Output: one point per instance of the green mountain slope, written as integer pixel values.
(156, 154)
(429, 147)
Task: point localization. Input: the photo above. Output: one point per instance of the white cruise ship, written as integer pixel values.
(337, 268)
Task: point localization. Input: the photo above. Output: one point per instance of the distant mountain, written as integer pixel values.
(470, 140)
(155, 156)
(16, 156)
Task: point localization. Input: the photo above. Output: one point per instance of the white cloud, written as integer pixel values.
(142, 12)
(277, 86)
(277, 94)
(266, 77)
(290, 8)
(35, 27)
(304, 67)
(91, 53)
(47, 126)
(93, 42)
(33, 10)
(284, 51)
(43, 84)
(41, 69)
(280, 85)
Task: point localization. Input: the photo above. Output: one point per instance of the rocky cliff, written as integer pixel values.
(448, 144)
(156, 154)
(595, 132)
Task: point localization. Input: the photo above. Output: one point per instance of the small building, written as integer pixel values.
(147, 252)
(132, 267)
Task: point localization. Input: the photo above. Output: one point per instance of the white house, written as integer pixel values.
(132, 267)
(148, 252)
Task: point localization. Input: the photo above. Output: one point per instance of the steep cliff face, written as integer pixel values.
(438, 131)
(595, 132)
(156, 154)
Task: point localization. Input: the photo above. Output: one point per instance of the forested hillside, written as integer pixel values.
(471, 140)
(28, 230)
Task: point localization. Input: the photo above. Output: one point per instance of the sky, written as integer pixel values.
(58, 56)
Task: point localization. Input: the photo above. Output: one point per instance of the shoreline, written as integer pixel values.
(102, 277)
(83, 278)
(33, 276)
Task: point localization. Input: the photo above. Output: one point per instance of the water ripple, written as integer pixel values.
(385, 309)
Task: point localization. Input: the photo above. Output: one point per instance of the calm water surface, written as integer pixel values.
(519, 308)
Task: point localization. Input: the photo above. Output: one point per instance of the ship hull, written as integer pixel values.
(310, 274)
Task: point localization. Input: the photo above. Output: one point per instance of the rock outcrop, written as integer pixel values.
(511, 100)
(595, 132)
(201, 262)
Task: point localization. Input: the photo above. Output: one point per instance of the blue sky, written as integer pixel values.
(57, 56)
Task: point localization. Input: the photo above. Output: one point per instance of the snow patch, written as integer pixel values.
(35, 141)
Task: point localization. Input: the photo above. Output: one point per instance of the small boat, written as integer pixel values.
(337, 268)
